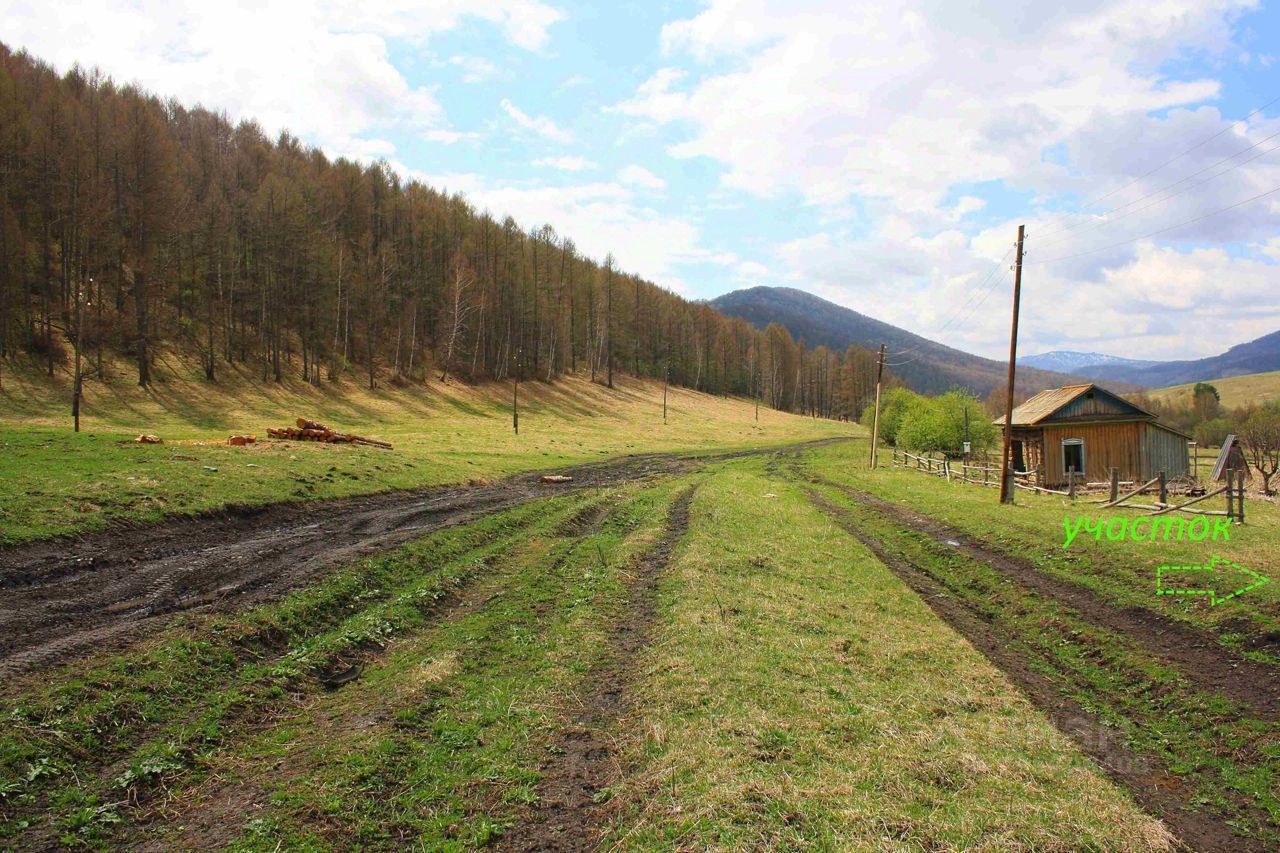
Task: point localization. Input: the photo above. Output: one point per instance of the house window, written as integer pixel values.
(1073, 455)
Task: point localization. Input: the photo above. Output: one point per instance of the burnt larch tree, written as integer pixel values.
(183, 230)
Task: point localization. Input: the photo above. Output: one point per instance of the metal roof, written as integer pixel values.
(1046, 403)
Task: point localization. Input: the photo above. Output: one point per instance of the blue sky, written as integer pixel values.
(880, 155)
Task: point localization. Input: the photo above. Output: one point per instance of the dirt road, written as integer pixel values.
(64, 595)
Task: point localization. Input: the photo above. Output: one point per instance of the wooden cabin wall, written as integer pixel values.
(1163, 450)
(1105, 445)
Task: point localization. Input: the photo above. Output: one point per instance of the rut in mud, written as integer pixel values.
(582, 762)
(1151, 784)
(1196, 653)
(63, 595)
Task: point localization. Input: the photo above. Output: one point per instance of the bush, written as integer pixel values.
(933, 424)
(1213, 432)
(894, 404)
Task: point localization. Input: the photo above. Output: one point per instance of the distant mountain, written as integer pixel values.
(1256, 356)
(925, 366)
(1070, 361)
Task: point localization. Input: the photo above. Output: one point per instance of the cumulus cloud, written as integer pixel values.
(884, 117)
(322, 70)
(600, 217)
(540, 125)
(638, 176)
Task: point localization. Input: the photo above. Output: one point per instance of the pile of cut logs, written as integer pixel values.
(316, 431)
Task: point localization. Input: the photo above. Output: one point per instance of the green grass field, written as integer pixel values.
(53, 481)
(1233, 390)
(814, 668)
(794, 694)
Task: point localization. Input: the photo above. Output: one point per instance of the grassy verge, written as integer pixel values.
(801, 696)
(1122, 572)
(53, 481)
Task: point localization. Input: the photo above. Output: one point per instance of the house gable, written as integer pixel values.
(1075, 404)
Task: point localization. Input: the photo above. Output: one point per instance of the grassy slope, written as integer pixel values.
(53, 481)
(1234, 390)
(795, 694)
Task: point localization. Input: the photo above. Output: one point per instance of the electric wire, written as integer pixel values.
(1165, 230)
(973, 306)
(1105, 217)
(989, 282)
(1176, 157)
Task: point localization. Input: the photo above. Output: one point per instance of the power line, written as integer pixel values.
(1105, 218)
(1249, 200)
(1178, 156)
(1061, 216)
(972, 307)
(989, 279)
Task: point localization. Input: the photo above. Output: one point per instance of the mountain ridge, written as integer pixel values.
(927, 366)
(1074, 361)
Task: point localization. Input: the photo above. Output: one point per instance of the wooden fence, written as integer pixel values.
(989, 475)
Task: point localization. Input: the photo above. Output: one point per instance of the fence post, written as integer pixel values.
(1071, 483)
(1240, 498)
(1231, 485)
(1115, 484)
(946, 469)
(1164, 489)
(985, 473)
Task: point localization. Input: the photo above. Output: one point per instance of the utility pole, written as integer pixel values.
(875, 420)
(78, 386)
(666, 380)
(1006, 477)
(515, 395)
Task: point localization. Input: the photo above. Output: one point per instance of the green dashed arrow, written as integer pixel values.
(1206, 580)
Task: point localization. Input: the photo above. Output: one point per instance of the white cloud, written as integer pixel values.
(572, 163)
(638, 176)
(541, 125)
(600, 217)
(878, 101)
(475, 69)
(885, 117)
(322, 70)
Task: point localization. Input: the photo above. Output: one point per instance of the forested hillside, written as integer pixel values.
(924, 365)
(129, 224)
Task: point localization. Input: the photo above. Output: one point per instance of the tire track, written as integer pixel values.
(1196, 653)
(62, 596)
(582, 762)
(1151, 784)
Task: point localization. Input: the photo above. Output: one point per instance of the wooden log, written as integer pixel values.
(1114, 500)
(303, 423)
(1205, 496)
(556, 478)
(148, 438)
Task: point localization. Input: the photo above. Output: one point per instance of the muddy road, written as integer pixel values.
(60, 596)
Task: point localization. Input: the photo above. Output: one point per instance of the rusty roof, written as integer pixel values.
(1044, 404)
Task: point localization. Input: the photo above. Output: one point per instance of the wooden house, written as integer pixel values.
(1090, 430)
